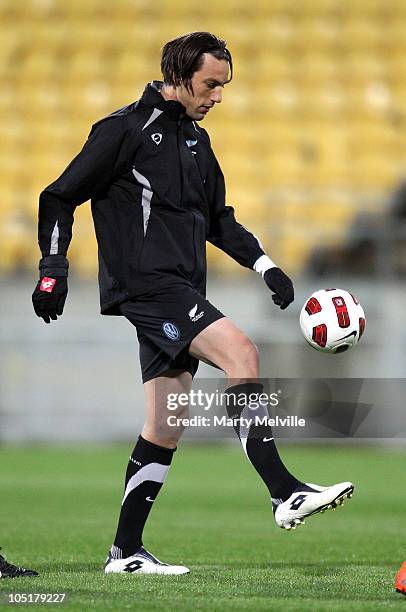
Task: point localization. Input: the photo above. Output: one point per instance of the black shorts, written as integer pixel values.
(166, 324)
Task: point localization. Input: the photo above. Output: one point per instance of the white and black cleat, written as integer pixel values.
(8, 570)
(142, 562)
(309, 499)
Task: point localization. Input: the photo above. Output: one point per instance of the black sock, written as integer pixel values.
(257, 441)
(146, 472)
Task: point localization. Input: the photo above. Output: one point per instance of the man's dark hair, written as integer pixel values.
(183, 56)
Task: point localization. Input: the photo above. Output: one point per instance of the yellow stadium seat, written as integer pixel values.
(40, 65)
(271, 67)
(365, 34)
(374, 9)
(373, 172)
(314, 68)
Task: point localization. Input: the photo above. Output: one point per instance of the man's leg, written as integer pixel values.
(149, 464)
(229, 348)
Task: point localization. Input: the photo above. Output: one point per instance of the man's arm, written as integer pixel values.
(103, 158)
(235, 240)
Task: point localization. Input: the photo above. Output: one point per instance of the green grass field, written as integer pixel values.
(59, 509)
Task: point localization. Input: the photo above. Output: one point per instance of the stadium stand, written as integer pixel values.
(309, 137)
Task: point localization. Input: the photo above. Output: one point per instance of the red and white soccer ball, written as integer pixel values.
(332, 320)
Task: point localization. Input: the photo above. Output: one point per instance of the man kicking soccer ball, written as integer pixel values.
(158, 195)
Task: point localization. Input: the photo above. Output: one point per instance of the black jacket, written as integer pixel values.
(157, 195)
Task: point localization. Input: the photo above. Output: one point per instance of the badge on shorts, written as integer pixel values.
(171, 331)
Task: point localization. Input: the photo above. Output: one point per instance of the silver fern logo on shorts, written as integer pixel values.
(193, 316)
(171, 331)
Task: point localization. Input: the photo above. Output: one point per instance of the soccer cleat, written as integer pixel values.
(400, 580)
(309, 499)
(8, 570)
(142, 562)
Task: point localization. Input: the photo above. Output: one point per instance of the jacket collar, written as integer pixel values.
(152, 97)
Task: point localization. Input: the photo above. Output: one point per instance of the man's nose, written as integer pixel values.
(217, 95)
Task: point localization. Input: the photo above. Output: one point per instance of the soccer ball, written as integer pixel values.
(332, 320)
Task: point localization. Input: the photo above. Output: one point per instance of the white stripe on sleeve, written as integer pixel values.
(54, 240)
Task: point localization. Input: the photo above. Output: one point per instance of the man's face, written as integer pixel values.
(207, 86)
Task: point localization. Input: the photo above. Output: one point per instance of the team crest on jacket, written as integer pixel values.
(171, 331)
(157, 138)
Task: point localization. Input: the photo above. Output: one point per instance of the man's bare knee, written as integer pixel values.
(251, 354)
(244, 361)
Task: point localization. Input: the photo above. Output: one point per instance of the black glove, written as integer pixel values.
(281, 285)
(50, 293)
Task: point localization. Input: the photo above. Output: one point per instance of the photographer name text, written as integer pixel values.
(223, 421)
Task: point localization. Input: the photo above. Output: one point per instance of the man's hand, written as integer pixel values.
(50, 293)
(281, 286)
(49, 297)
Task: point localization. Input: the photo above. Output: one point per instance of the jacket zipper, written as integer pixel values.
(178, 135)
(196, 262)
